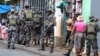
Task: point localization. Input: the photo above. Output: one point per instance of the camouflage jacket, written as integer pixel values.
(50, 21)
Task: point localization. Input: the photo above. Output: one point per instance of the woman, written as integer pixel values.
(78, 29)
(69, 26)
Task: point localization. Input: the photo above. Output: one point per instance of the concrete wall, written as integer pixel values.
(95, 10)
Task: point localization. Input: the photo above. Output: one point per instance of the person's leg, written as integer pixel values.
(88, 50)
(9, 39)
(67, 37)
(95, 47)
(70, 47)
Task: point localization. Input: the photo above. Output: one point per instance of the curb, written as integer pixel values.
(33, 50)
(21, 47)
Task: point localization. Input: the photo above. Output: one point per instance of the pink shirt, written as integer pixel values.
(4, 29)
(80, 26)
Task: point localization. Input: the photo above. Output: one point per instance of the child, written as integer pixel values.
(4, 31)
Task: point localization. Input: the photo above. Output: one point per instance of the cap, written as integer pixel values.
(12, 10)
(79, 18)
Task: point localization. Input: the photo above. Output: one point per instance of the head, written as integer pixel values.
(80, 18)
(3, 23)
(12, 11)
(26, 6)
(91, 18)
(70, 15)
(49, 12)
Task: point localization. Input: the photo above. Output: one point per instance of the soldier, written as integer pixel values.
(37, 26)
(49, 24)
(91, 31)
(11, 29)
(28, 25)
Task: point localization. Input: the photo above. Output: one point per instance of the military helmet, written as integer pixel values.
(26, 6)
(91, 18)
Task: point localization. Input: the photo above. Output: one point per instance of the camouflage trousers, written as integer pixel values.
(50, 34)
(92, 41)
(12, 35)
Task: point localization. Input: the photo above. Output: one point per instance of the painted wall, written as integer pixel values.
(86, 9)
(95, 10)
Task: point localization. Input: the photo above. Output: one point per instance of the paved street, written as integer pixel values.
(9, 52)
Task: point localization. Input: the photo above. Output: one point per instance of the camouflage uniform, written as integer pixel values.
(37, 27)
(92, 41)
(12, 33)
(49, 24)
(28, 28)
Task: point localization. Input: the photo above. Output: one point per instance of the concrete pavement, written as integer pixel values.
(34, 50)
(16, 52)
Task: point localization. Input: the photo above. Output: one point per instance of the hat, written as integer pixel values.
(12, 10)
(79, 18)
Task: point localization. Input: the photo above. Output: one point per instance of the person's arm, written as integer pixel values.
(97, 28)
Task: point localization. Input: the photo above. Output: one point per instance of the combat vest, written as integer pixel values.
(12, 20)
(28, 14)
(91, 28)
(37, 18)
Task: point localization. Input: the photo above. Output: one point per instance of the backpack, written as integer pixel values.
(28, 14)
(91, 28)
(12, 20)
(37, 18)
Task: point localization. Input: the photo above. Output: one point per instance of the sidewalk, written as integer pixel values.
(34, 49)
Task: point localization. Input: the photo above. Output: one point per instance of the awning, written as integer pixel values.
(6, 8)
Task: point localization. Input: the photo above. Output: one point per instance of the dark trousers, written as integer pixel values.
(50, 33)
(92, 41)
(67, 36)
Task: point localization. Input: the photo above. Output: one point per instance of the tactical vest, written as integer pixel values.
(91, 28)
(37, 18)
(12, 20)
(28, 14)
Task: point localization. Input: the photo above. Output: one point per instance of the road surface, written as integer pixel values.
(10, 52)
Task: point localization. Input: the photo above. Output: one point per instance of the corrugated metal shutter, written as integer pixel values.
(42, 5)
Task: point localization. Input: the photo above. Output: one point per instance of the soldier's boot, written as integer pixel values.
(95, 53)
(52, 48)
(42, 47)
(51, 51)
(8, 46)
(27, 44)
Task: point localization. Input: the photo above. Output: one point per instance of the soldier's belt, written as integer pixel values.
(29, 22)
